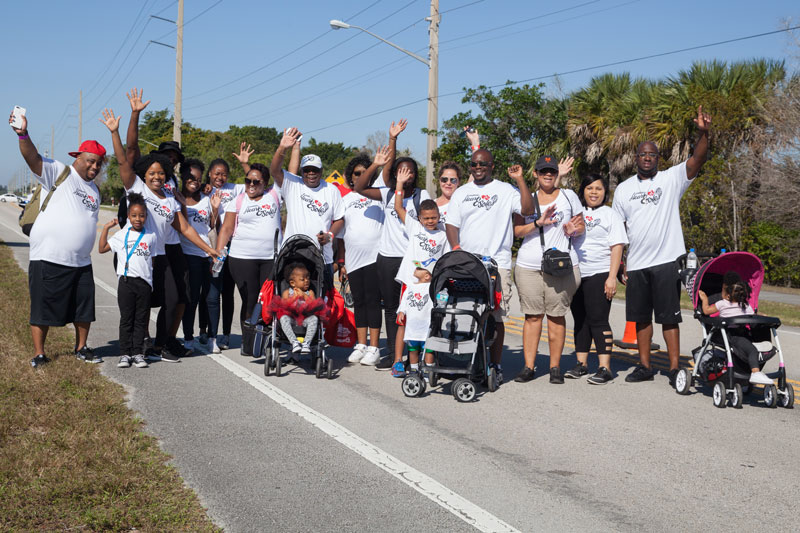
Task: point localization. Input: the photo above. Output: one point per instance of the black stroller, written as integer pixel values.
(462, 328)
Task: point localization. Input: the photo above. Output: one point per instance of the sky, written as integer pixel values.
(280, 64)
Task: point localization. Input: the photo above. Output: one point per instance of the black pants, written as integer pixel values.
(172, 286)
(198, 276)
(221, 286)
(366, 296)
(590, 309)
(249, 275)
(133, 299)
(744, 350)
(390, 292)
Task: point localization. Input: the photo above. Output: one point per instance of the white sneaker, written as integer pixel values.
(139, 361)
(188, 347)
(214, 346)
(296, 347)
(372, 356)
(224, 342)
(124, 361)
(359, 351)
(760, 378)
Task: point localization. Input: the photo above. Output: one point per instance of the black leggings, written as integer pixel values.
(199, 278)
(249, 275)
(366, 296)
(590, 309)
(744, 350)
(390, 292)
(169, 289)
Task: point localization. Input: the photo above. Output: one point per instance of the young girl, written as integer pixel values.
(735, 294)
(414, 314)
(298, 304)
(133, 245)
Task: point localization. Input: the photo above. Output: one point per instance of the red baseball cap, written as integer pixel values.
(91, 147)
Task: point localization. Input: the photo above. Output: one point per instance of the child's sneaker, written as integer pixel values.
(188, 346)
(398, 370)
(305, 349)
(124, 361)
(214, 346)
(224, 342)
(296, 347)
(139, 361)
(371, 356)
(203, 338)
(760, 378)
(359, 351)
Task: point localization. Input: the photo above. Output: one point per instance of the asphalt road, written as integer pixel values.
(294, 453)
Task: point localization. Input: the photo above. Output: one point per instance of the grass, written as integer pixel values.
(72, 455)
(789, 314)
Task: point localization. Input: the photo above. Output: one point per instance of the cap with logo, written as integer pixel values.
(90, 147)
(311, 160)
(546, 161)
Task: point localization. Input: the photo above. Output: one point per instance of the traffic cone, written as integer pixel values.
(629, 338)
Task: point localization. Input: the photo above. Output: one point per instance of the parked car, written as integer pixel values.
(8, 197)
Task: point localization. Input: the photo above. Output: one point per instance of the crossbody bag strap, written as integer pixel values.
(59, 181)
(538, 212)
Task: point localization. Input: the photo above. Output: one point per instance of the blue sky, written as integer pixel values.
(56, 49)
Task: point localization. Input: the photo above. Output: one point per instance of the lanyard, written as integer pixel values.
(130, 253)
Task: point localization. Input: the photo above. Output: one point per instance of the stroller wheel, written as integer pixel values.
(434, 378)
(787, 398)
(463, 390)
(329, 372)
(736, 396)
(771, 396)
(267, 360)
(413, 386)
(277, 357)
(683, 381)
(318, 368)
(719, 395)
(491, 379)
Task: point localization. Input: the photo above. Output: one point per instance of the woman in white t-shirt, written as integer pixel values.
(559, 218)
(252, 223)
(599, 252)
(450, 175)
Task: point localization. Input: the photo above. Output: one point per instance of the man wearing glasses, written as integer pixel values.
(479, 221)
(649, 204)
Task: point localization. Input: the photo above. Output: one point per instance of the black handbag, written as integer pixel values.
(554, 261)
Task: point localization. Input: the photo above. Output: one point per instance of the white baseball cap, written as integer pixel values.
(311, 160)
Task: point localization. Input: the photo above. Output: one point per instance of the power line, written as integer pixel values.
(460, 7)
(186, 23)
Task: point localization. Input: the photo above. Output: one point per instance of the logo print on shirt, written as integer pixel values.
(417, 300)
(481, 201)
(142, 250)
(649, 197)
(427, 244)
(362, 203)
(88, 200)
(263, 210)
(199, 216)
(161, 210)
(315, 206)
(591, 222)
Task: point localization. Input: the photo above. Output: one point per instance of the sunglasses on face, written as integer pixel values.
(357, 173)
(474, 164)
(445, 179)
(248, 181)
(645, 154)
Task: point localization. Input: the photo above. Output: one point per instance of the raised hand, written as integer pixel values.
(473, 137)
(244, 153)
(703, 120)
(397, 129)
(135, 98)
(215, 200)
(515, 172)
(573, 226)
(565, 166)
(404, 175)
(382, 156)
(111, 122)
(19, 131)
(547, 216)
(290, 137)
(111, 223)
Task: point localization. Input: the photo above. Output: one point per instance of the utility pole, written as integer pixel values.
(52, 141)
(433, 95)
(80, 118)
(176, 127)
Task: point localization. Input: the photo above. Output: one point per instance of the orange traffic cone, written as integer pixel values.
(629, 338)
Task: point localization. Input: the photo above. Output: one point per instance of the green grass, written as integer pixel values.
(72, 455)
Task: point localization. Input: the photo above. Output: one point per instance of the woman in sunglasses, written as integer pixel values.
(450, 175)
(251, 222)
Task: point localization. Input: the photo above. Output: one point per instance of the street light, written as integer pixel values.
(433, 82)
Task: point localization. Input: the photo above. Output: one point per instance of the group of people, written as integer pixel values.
(183, 246)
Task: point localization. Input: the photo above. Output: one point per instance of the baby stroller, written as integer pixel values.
(297, 249)
(715, 362)
(462, 328)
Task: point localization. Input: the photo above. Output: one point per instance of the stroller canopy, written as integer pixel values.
(461, 266)
(709, 276)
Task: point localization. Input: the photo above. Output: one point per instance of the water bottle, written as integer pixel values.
(691, 260)
(216, 268)
(722, 251)
(441, 298)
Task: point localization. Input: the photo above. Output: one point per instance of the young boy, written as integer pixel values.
(414, 314)
(133, 245)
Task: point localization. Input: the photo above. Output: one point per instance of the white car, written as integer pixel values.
(8, 197)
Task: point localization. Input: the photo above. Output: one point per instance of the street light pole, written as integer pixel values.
(176, 127)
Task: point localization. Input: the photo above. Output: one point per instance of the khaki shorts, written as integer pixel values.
(543, 294)
(505, 285)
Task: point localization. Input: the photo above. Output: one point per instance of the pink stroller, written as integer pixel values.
(715, 362)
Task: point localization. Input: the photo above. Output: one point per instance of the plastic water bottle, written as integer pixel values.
(722, 251)
(441, 298)
(691, 260)
(216, 268)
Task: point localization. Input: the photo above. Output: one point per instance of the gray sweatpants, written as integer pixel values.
(310, 323)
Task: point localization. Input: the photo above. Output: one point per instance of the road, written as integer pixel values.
(294, 453)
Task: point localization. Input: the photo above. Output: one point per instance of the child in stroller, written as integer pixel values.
(299, 305)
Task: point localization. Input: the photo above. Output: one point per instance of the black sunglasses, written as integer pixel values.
(248, 181)
(357, 173)
(479, 163)
(445, 179)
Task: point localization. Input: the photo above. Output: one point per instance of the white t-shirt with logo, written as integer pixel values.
(227, 192)
(363, 224)
(425, 246)
(394, 239)
(160, 213)
(65, 232)
(140, 264)
(416, 303)
(309, 211)
(482, 213)
(258, 221)
(604, 229)
(198, 216)
(649, 208)
(443, 213)
(530, 252)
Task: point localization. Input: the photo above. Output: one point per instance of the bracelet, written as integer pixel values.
(332, 236)
(476, 147)
(340, 262)
(457, 247)
(399, 193)
(23, 137)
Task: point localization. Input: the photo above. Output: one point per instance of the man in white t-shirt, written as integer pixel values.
(60, 276)
(313, 206)
(649, 204)
(479, 221)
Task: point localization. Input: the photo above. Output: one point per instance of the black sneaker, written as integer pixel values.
(672, 375)
(555, 376)
(39, 360)
(385, 363)
(168, 356)
(87, 355)
(176, 348)
(640, 373)
(525, 375)
(578, 372)
(602, 376)
(151, 354)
